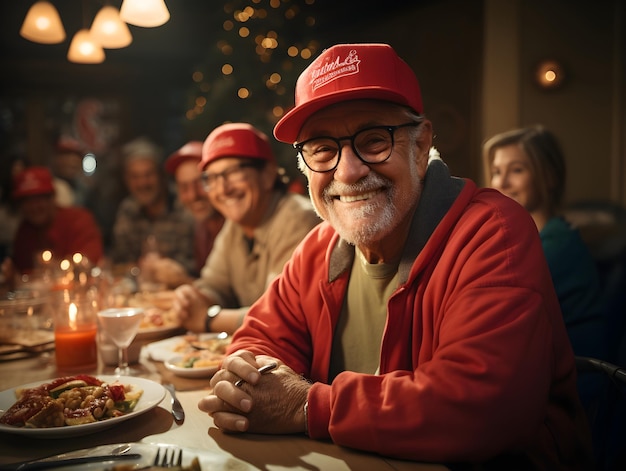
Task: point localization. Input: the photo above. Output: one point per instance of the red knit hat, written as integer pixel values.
(350, 72)
(190, 151)
(32, 181)
(236, 140)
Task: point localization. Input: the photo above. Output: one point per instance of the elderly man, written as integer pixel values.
(419, 320)
(149, 219)
(45, 225)
(183, 166)
(264, 223)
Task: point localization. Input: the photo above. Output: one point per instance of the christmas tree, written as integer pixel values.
(249, 74)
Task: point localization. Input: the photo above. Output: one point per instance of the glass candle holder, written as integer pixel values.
(75, 330)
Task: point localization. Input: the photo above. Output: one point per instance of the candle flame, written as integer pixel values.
(72, 311)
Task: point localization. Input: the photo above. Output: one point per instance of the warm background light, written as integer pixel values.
(109, 30)
(146, 13)
(84, 49)
(43, 24)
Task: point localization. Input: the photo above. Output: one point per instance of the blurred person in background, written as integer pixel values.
(150, 219)
(67, 164)
(47, 226)
(528, 166)
(182, 165)
(264, 224)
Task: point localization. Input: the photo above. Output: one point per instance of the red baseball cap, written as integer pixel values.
(190, 151)
(236, 140)
(69, 144)
(32, 181)
(350, 72)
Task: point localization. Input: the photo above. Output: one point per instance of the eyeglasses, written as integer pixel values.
(232, 174)
(372, 145)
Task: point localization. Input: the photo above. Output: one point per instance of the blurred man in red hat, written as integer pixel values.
(419, 320)
(264, 224)
(46, 226)
(183, 166)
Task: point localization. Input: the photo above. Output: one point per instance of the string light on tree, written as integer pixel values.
(251, 71)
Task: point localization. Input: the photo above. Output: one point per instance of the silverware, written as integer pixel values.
(168, 461)
(263, 370)
(117, 454)
(177, 409)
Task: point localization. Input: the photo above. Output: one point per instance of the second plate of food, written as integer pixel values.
(187, 368)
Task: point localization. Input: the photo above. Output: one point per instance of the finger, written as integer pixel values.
(212, 404)
(235, 397)
(230, 422)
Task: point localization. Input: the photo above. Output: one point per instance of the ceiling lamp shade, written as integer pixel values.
(84, 49)
(109, 30)
(146, 13)
(43, 24)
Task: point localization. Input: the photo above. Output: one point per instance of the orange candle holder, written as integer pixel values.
(75, 330)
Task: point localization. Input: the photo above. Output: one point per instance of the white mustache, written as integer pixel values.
(368, 184)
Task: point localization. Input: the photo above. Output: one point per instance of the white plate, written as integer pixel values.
(153, 394)
(200, 372)
(165, 349)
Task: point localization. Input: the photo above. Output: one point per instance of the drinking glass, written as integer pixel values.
(121, 325)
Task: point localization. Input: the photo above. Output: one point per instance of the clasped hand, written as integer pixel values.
(272, 403)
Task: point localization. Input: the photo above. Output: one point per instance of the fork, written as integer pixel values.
(168, 461)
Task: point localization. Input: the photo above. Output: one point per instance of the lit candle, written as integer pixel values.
(75, 340)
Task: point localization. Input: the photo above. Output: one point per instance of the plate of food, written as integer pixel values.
(214, 344)
(76, 405)
(194, 365)
(159, 318)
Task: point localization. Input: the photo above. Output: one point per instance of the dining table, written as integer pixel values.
(195, 435)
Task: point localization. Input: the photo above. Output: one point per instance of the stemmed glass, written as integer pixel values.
(121, 325)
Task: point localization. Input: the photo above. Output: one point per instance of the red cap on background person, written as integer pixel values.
(69, 144)
(190, 151)
(236, 140)
(32, 181)
(350, 72)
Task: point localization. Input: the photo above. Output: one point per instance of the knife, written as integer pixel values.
(57, 463)
(177, 409)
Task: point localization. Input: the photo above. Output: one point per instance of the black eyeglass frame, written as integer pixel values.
(390, 129)
(225, 174)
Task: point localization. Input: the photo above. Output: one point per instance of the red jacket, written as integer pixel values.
(475, 362)
(73, 230)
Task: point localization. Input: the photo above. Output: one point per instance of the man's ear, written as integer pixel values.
(425, 137)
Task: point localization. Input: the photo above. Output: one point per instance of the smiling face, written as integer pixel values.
(512, 175)
(190, 191)
(144, 181)
(370, 205)
(244, 195)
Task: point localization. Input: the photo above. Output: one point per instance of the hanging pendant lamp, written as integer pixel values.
(146, 13)
(42, 24)
(84, 49)
(109, 30)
